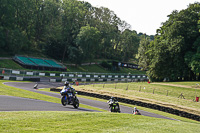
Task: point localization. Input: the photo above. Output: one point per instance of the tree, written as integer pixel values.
(88, 40)
(130, 44)
(173, 45)
(142, 56)
(73, 18)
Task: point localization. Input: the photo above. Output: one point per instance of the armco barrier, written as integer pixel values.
(95, 80)
(80, 75)
(139, 103)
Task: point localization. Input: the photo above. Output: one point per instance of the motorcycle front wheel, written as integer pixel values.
(76, 103)
(64, 100)
(117, 109)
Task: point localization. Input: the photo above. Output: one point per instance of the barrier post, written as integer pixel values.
(77, 83)
(197, 99)
(127, 87)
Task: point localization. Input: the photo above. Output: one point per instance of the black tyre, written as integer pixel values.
(117, 109)
(76, 103)
(112, 109)
(64, 101)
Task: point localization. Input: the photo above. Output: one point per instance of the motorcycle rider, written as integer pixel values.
(136, 111)
(68, 88)
(111, 101)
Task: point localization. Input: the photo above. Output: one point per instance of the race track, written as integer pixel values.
(11, 103)
(8, 103)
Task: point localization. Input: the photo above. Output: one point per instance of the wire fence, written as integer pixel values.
(191, 93)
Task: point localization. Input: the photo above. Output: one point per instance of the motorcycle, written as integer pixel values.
(114, 107)
(68, 98)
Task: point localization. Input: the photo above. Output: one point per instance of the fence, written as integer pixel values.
(80, 76)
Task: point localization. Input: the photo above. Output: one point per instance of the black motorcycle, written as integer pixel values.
(114, 107)
(68, 98)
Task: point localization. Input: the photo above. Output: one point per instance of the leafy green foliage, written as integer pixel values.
(174, 52)
(88, 40)
(67, 30)
(106, 65)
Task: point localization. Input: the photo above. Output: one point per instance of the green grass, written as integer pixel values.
(148, 110)
(62, 121)
(186, 83)
(86, 68)
(86, 122)
(99, 69)
(139, 107)
(10, 64)
(136, 91)
(12, 91)
(17, 92)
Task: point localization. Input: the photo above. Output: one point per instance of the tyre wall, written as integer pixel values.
(142, 104)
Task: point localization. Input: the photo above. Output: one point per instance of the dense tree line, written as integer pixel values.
(65, 30)
(174, 54)
(75, 31)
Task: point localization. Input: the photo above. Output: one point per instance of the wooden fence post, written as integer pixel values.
(127, 87)
(181, 96)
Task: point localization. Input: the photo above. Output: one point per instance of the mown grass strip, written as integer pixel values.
(85, 122)
(134, 92)
(147, 109)
(139, 107)
(17, 92)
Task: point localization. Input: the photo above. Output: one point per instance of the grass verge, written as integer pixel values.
(89, 122)
(10, 64)
(151, 93)
(139, 107)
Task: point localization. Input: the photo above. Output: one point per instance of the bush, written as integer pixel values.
(106, 65)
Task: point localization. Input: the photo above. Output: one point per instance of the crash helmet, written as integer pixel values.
(113, 98)
(66, 83)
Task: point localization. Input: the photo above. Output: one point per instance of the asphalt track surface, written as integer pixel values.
(10, 103)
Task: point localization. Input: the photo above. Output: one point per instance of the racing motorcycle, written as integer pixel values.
(114, 107)
(68, 98)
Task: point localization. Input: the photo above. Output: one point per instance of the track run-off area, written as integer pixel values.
(11, 103)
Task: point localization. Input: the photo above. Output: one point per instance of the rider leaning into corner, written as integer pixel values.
(112, 100)
(114, 105)
(68, 87)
